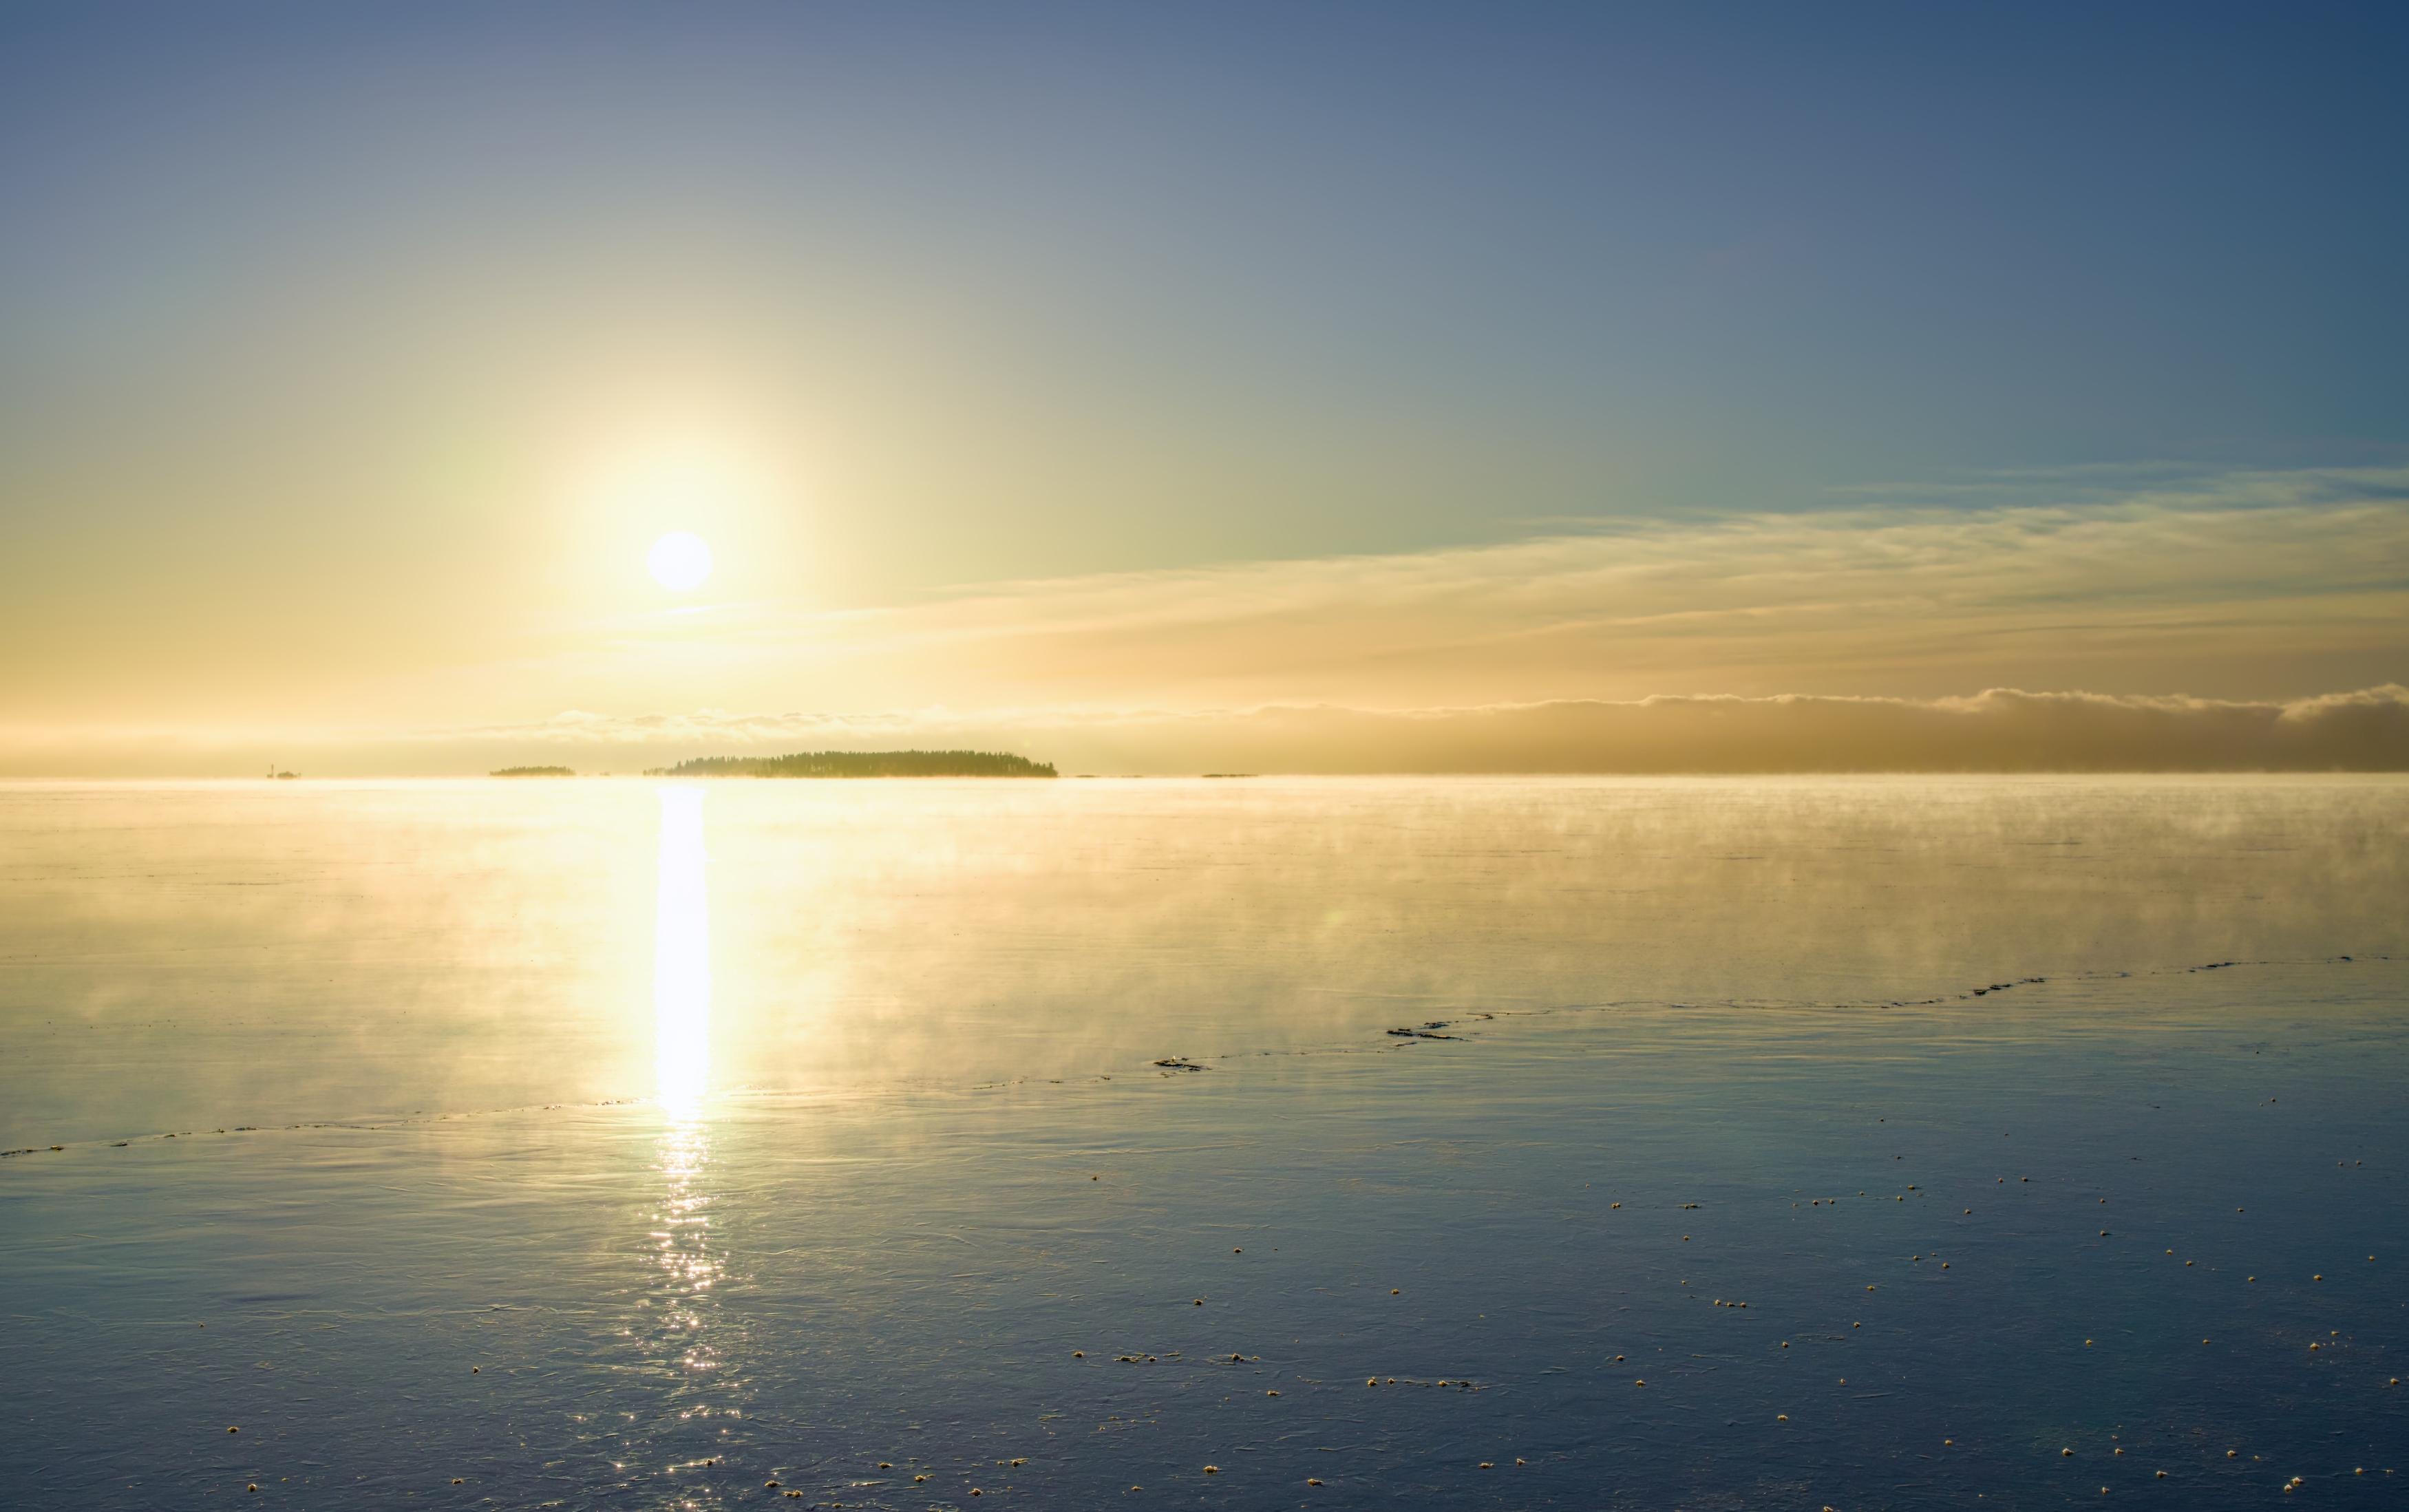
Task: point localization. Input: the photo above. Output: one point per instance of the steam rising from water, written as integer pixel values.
(209, 956)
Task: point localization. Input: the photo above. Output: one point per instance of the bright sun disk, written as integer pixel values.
(679, 560)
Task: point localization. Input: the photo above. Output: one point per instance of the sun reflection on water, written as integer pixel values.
(681, 1248)
(676, 1319)
(682, 958)
(682, 1014)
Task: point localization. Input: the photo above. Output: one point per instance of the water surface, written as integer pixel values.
(655, 1145)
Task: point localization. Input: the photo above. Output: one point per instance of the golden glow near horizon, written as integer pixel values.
(682, 958)
(679, 560)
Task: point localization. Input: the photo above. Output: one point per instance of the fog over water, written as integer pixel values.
(180, 955)
(1327, 1143)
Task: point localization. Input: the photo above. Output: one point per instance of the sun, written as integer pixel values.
(679, 560)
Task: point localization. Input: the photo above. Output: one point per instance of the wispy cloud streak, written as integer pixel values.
(2206, 619)
(2280, 583)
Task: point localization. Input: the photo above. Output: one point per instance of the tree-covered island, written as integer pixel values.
(533, 771)
(863, 764)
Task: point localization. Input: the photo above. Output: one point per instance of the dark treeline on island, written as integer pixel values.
(863, 764)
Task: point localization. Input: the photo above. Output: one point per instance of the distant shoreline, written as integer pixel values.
(858, 764)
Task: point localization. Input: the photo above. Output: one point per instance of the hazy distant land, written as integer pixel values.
(863, 764)
(533, 771)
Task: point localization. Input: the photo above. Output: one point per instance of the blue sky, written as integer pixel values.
(348, 314)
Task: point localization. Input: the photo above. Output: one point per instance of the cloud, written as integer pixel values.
(2200, 612)
(2257, 585)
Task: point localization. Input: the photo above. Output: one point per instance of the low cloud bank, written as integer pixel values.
(2001, 731)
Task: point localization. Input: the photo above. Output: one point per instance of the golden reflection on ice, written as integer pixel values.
(682, 958)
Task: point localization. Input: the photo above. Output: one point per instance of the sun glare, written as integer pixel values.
(679, 561)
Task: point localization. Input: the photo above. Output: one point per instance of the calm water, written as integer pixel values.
(597, 1144)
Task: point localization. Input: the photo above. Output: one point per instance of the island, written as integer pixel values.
(533, 771)
(863, 764)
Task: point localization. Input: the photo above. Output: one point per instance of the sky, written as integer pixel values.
(1041, 369)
